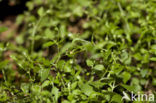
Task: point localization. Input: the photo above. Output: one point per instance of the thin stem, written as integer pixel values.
(34, 32)
(4, 75)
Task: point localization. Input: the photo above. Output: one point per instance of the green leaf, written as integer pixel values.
(153, 47)
(40, 11)
(129, 88)
(67, 67)
(36, 89)
(49, 34)
(99, 67)
(144, 72)
(89, 62)
(44, 73)
(45, 83)
(154, 81)
(116, 98)
(48, 44)
(126, 76)
(73, 85)
(25, 87)
(55, 92)
(19, 19)
(86, 89)
(3, 64)
(153, 59)
(3, 29)
(76, 92)
(98, 84)
(61, 64)
(65, 101)
(78, 11)
(30, 5)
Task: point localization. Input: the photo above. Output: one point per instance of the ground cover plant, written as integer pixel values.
(79, 51)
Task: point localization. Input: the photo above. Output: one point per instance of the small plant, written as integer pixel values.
(80, 51)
